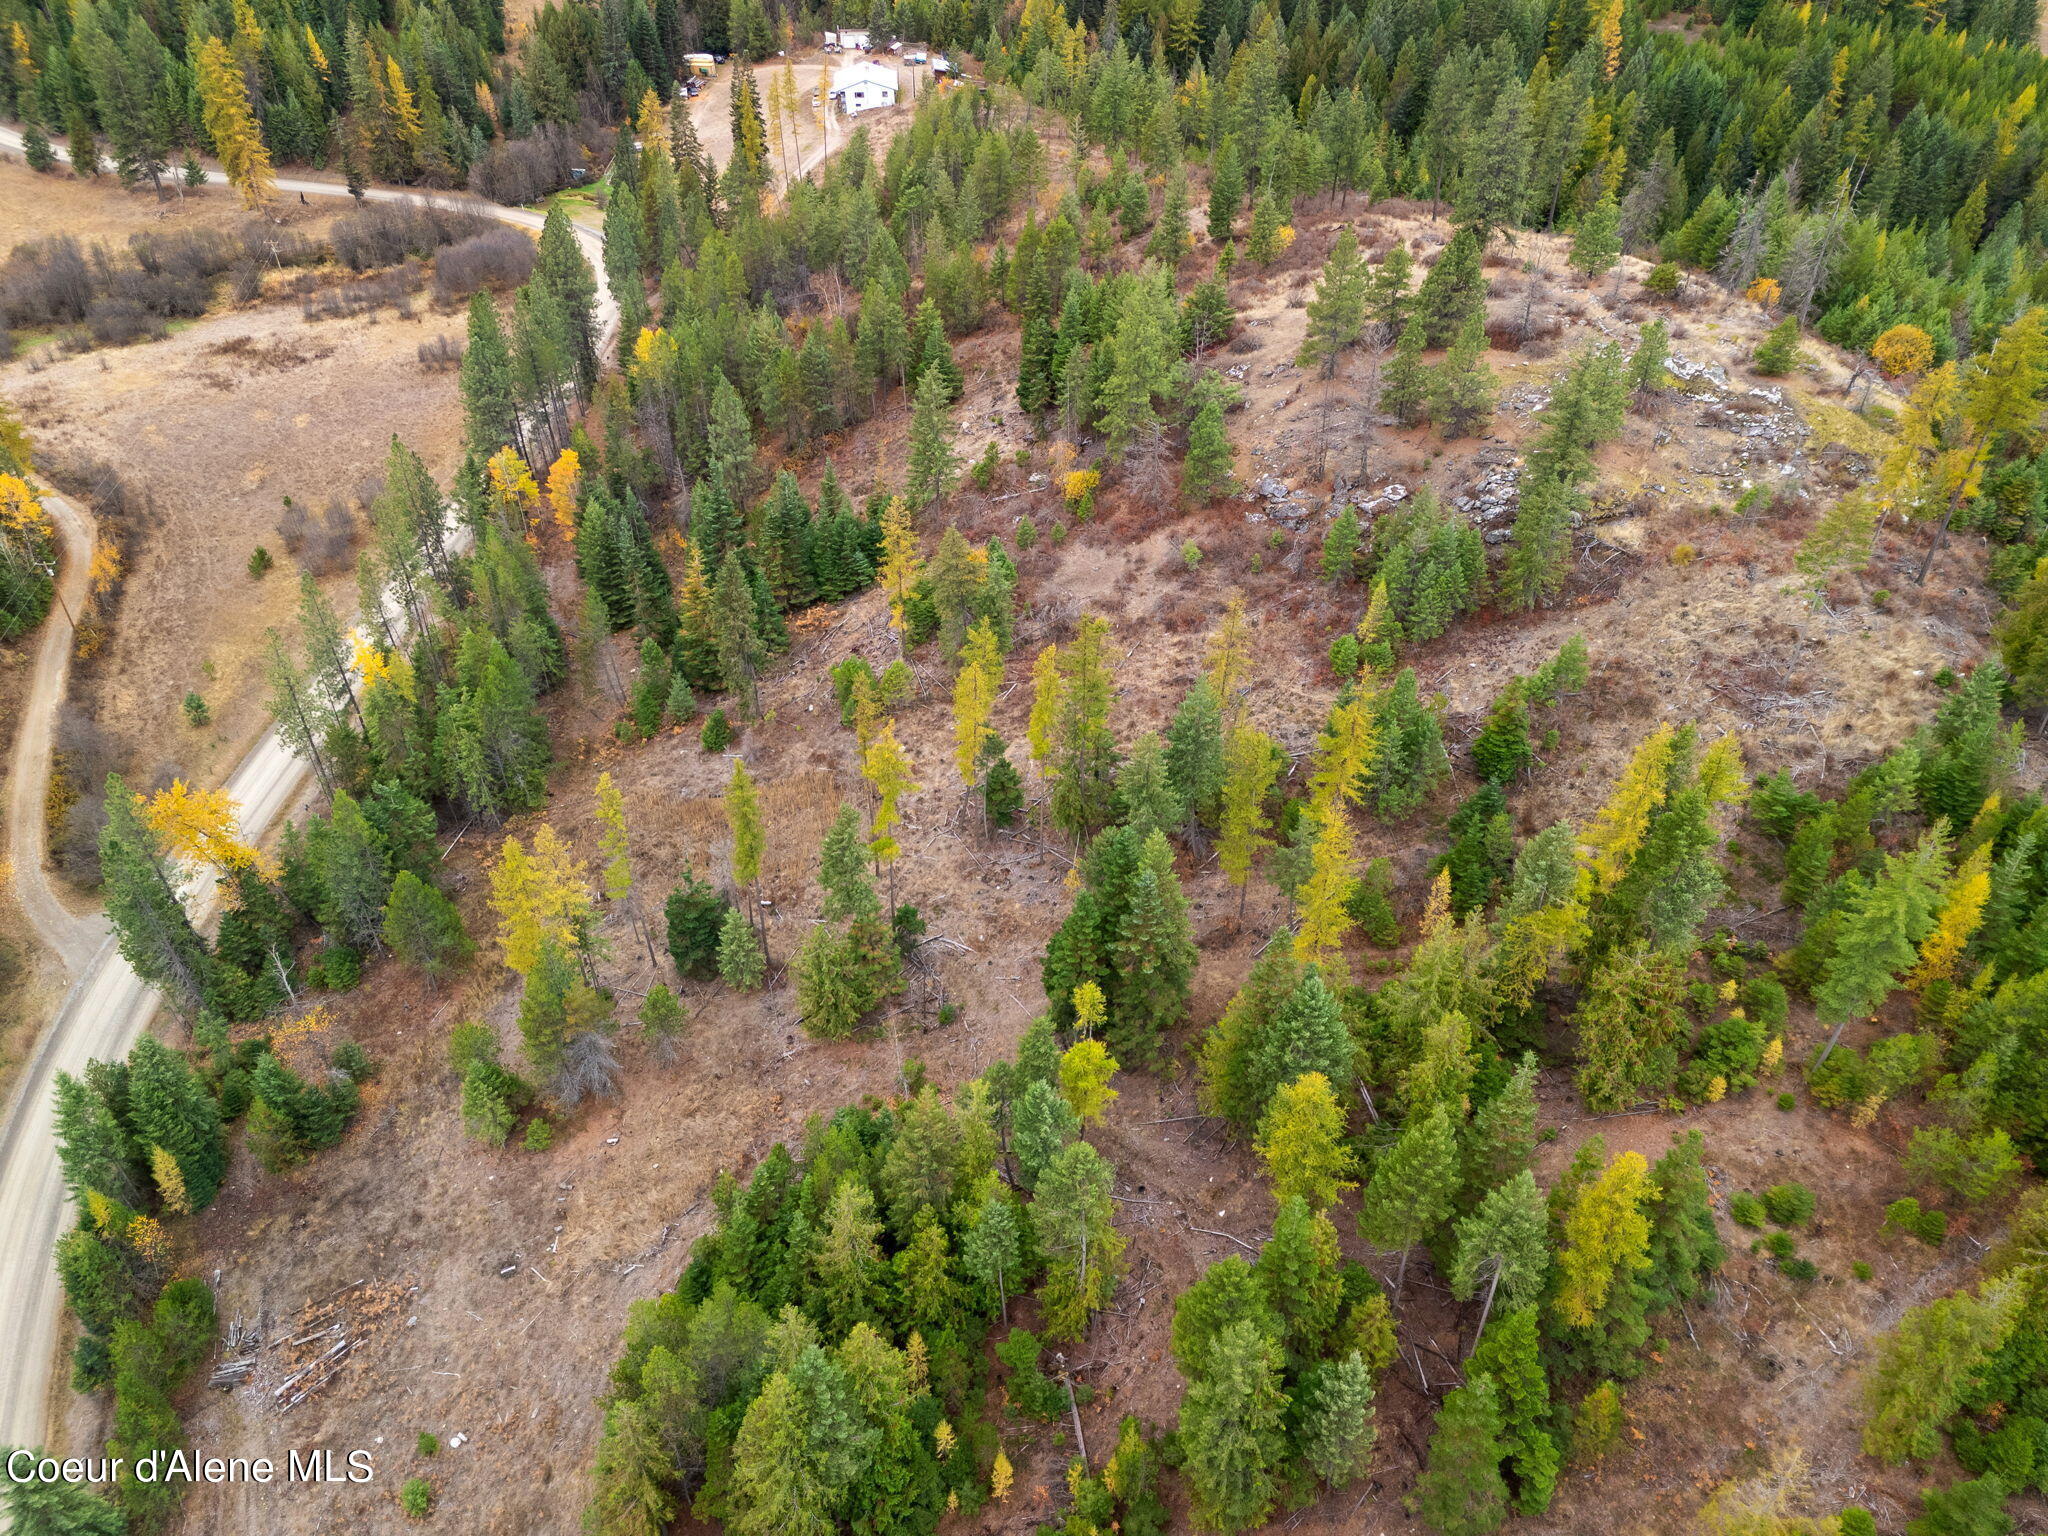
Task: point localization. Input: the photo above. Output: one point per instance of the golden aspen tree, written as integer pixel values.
(224, 108)
(1617, 832)
(198, 825)
(1046, 685)
(514, 496)
(372, 665)
(1962, 909)
(1605, 1234)
(1333, 871)
(1251, 762)
(1230, 660)
(902, 564)
(565, 479)
(974, 696)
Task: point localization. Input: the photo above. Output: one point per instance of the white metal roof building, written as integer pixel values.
(863, 86)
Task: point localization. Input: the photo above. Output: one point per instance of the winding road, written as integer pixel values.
(108, 1006)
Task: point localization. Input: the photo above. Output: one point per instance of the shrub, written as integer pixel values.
(416, 1498)
(1798, 1269)
(381, 234)
(1596, 1426)
(1779, 352)
(1745, 1210)
(337, 969)
(1910, 1217)
(260, 562)
(1788, 1102)
(1861, 1270)
(428, 1444)
(1663, 280)
(321, 542)
(1902, 349)
(525, 170)
(1858, 1521)
(196, 712)
(496, 258)
(1789, 1205)
(353, 1062)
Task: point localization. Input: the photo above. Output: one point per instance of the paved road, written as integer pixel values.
(108, 1006)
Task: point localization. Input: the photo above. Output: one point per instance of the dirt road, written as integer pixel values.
(73, 939)
(108, 1006)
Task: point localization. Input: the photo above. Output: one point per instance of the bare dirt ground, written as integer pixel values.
(802, 145)
(496, 1283)
(218, 424)
(37, 207)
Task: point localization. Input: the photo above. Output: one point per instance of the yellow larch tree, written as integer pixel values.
(1617, 832)
(1046, 687)
(1333, 872)
(405, 112)
(1091, 1009)
(231, 124)
(888, 770)
(1250, 764)
(539, 896)
(902, 563)
(1344, 753)
(1086, 1068)
(1606, 1233)
(1962, 909)
(170, 1181)
(974, 696)
(1230, 660)
(613, 841)
(1301, 1142)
